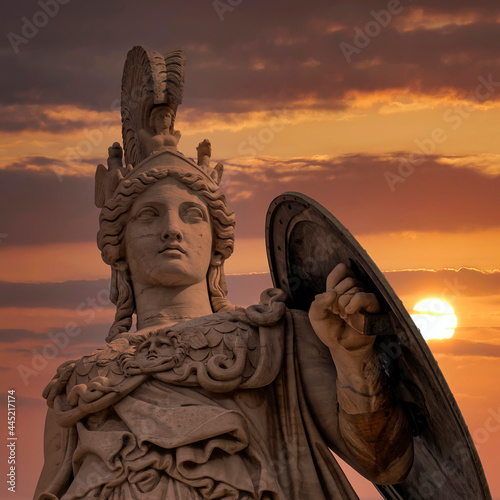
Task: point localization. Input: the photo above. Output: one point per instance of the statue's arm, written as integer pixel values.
(371, 423)
(369, 433)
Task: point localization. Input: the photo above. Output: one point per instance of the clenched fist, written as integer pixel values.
(338, 315)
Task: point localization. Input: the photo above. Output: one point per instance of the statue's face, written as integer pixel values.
(162, 119)
(158, 353)
(168, 238)
(158, 347)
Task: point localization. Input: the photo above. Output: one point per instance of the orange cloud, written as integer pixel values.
(419, 19)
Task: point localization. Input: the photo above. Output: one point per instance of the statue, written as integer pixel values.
(207, 400)
(161, 122)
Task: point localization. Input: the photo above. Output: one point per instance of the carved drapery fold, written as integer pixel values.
(160, 437)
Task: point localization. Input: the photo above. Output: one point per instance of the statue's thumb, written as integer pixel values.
(321, 306)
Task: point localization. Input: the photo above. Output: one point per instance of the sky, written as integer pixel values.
(385, 112)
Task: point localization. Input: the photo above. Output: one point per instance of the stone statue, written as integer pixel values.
(207, 400)
(163, 135)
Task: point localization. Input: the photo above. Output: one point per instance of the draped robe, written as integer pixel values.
(235, 405)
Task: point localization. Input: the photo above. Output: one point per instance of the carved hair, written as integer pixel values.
(111, 239)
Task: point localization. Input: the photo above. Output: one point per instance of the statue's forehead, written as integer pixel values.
(171, 191)
(164, 338)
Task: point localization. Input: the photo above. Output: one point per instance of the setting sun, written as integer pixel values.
(435, 319)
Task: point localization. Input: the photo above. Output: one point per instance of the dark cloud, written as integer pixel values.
(77, 58)
(244, 290)
(46, 206)
(82, 335)
(67, 295)
(459, 347)
(460, 283)
(50, 208)
(17, 334)
(47, 166)
(355, 189)
(33, 118)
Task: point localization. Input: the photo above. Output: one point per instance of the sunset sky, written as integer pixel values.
(385, 112)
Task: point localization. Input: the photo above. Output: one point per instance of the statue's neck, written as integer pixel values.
(165, 306)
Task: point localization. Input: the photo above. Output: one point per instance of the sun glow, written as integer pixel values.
(435, 319)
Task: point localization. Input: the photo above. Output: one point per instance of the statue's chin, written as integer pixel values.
(169, 271)
(157, 364)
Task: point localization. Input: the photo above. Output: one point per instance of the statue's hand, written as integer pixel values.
(337, 316)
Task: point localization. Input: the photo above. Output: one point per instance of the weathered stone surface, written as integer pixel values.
(304, 241)
(208, 400)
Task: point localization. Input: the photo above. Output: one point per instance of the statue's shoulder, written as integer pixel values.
(102, 363)
(229, 335)
(270, 309)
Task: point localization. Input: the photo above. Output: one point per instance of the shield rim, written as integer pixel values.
(388, 492)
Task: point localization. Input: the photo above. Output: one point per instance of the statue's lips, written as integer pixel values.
(172, 251)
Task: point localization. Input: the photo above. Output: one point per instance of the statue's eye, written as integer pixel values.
(147, 213)
(144, 347)
(194, 214)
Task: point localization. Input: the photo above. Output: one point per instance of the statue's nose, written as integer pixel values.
(173, 233)
(171, 229)
(171, 226)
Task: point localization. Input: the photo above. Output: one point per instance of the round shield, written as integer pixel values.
(304, 243)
